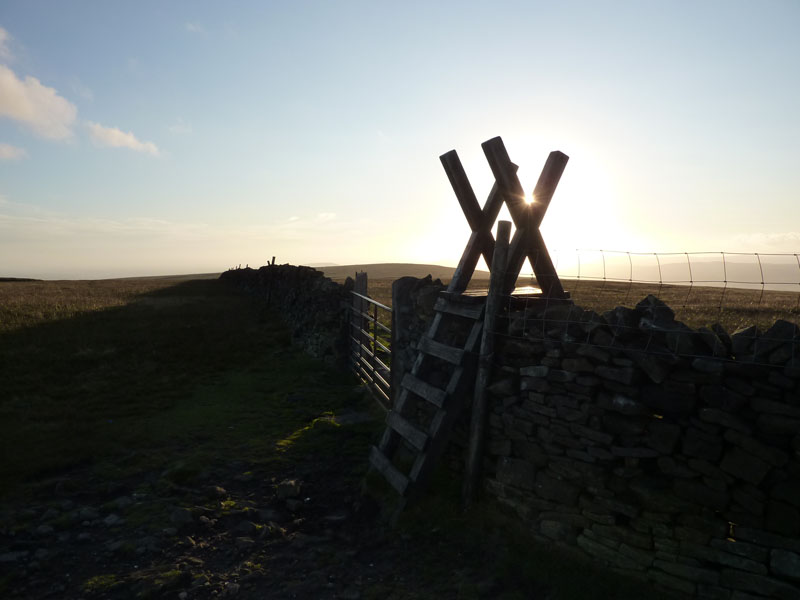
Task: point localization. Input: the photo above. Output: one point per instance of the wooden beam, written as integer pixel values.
(478, 418)
(546, 185)
(478, 243)
(473, 310)
(398, 481)
(518, 250)
(481, 241)
(447, 353)
(478, 221)
(528, 218)
(404, 427)
(463, 189)
(432, 394)
(543, 267)
(505, 174)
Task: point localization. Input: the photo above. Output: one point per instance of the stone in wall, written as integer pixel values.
(412, 311)
(313, 307)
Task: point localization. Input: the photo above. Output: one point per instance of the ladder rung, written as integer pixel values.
(416, 438)
(397, 480)
(439, 350)
(464, 298)
(471, 311)
(425, 390)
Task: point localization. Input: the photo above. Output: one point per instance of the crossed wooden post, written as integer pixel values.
(527, 240)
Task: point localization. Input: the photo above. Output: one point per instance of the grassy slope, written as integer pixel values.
(142, 369)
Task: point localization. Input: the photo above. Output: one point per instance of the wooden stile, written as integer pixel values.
(527, 218)
(505, 259)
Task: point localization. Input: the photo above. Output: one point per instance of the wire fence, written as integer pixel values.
(741, 306)
(733, 289)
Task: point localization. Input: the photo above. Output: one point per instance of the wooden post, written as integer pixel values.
(477, 424)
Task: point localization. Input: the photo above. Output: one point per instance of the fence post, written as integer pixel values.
(375, 342)
(359, 306)
(477, 425)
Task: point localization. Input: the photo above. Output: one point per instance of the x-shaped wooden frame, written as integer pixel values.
(527, 240)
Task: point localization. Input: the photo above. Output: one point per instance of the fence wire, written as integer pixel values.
(718, 304)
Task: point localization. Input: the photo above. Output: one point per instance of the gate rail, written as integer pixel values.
(370, 354)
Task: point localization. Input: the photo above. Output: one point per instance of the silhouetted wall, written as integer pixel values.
(313, 306)
(666, 453)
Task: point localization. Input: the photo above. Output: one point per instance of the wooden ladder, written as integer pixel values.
(427, 443)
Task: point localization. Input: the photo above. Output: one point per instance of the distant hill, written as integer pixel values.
(4, 279)
(394, 271)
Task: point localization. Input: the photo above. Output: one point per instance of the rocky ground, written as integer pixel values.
(228, 531)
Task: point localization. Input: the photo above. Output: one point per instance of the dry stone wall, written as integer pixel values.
(412, 310)
(666, 453)
(313, 306)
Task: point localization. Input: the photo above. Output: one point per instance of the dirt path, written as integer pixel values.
(306, 533)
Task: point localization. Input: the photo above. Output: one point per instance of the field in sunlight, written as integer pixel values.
(696, 306)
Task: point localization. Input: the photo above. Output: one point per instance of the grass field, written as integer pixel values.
(142, 369)
(156, 389)
(696, 306)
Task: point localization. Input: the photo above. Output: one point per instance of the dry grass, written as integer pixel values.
(23, 303)
(160, 367)
(696, 306)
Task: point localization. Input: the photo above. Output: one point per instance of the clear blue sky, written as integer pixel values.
(171, 137)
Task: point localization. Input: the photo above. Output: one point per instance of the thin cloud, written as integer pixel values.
(181, 127)
(81, 90)
(5, 51)
(35, 105)
(9, 152)
(195, 28)
(114, 137)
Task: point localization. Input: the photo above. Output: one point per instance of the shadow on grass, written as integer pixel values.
(514, 565)
(194, 368)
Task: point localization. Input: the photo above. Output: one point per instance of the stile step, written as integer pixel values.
(424, 390)
(447, 353)
(470, 310)
(395, 478)
(415, 437)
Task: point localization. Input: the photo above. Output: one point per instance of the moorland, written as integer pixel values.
(162, 438)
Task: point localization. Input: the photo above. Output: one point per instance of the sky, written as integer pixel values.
(156, 138)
